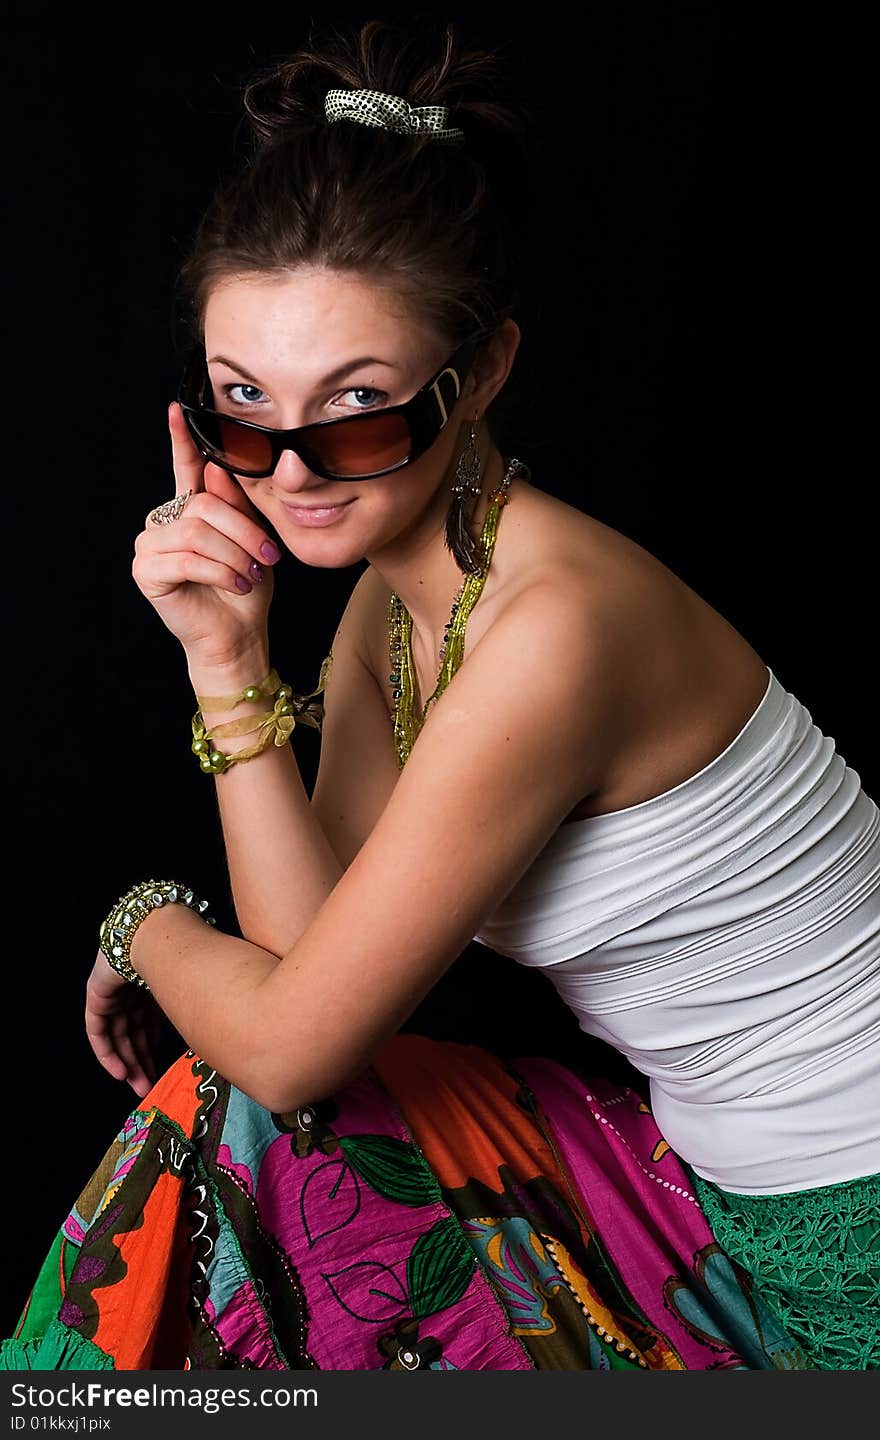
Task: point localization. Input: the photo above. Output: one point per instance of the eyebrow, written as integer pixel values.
(338, 374)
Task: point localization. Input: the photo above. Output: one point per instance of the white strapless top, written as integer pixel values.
(725, 937)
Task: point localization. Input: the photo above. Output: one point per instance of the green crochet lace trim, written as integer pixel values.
(815, 1256)
(60, 1348)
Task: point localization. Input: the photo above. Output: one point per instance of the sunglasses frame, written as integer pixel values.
(426, 415)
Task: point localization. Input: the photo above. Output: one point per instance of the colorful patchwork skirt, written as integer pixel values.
(451, 1209)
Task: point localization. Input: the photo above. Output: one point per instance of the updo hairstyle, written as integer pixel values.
(440, 223)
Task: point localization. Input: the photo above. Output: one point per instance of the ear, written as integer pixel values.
(493, 363)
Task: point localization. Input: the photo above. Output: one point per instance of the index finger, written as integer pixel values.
(189, 463)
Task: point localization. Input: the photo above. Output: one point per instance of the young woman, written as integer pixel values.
(590, 769)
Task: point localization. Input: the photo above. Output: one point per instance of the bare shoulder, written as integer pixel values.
(673, 680)
(569, 592)
(632, 669)
(651, 616)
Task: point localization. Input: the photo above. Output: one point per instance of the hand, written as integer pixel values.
(187, 569)
(123, 1023)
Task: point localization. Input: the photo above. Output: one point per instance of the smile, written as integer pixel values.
(315, 515)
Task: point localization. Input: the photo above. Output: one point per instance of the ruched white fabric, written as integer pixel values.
(725, 936)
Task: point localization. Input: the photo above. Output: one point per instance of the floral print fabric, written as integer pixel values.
(449, 1209)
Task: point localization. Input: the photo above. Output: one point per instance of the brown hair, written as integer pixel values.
(439, 223)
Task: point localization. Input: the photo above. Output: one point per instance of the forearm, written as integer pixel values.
(281, 865)
(207, 983)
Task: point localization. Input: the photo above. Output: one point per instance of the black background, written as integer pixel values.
(690, 381)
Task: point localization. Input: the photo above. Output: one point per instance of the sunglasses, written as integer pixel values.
(355, 447)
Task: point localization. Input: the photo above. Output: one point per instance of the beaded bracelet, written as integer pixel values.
(275, 725)
(131, 909)
(250, 692)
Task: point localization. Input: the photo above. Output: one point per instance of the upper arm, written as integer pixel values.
(357, 769)
(503, 756)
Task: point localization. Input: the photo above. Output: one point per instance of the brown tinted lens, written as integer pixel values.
(235, 445)
(367, 444)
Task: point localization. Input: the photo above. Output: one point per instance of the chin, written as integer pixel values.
(326, 561)
(319, 548)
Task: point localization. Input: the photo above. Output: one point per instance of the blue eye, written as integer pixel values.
(364, 390)
(249, 401)
(227, 389)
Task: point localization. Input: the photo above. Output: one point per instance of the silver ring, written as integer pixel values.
(164, 514)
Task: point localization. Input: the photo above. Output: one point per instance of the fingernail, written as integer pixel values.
(270, 552)
(243, 585)
(255, 571)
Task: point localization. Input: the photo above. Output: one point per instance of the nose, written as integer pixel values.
(291, 476)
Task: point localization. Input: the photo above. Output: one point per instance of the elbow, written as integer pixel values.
(280, 1101)
(285, 1099)
(297, 1063)
(284, 1094)
(276, 1091)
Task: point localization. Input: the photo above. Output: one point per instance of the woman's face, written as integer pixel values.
(289, 336)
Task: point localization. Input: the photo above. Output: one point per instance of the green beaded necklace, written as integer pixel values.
(407, 723)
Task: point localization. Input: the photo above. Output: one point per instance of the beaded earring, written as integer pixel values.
(466, 487)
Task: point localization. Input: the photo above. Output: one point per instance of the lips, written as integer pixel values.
(336, 505)
(316, 514)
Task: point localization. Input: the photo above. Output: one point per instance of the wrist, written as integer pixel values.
(141, 945)
(228, 676)
(254, 710)
(119, 930)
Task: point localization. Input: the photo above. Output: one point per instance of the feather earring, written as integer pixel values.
(466, 487)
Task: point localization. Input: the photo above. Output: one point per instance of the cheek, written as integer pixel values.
(259, 501)
(400, 495)
(254, 490)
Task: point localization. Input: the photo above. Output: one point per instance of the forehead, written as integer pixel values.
(321, 312)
